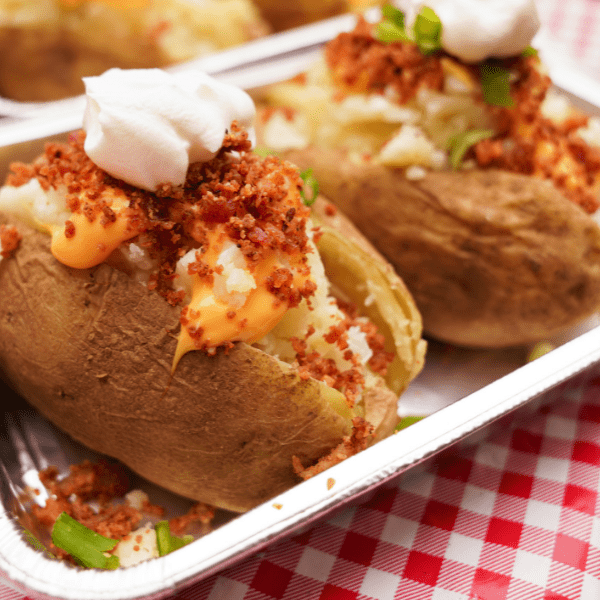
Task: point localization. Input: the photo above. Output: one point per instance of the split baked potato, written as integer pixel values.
(92, 349)
(482, 197)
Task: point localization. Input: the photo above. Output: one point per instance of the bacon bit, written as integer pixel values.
(136, 548)
(330, 482)
(278, 506)
(331, 209)
(159, 29)
(231, 314)
(10, 239)
(362, 432)
(69, 229)
(199, 513)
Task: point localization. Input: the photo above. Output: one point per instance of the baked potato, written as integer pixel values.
(93, 350)
(47, 46)
(482, 197)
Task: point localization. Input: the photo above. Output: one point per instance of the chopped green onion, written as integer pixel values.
(86, 546)
(529, 51)
(460, 144)
(263, 151)
(407, 422)
(167, 543)
(428, 31)
(310, 182)
(539, 350)
(391, 28)
(495, 84)
(393, 14)
(388, 33)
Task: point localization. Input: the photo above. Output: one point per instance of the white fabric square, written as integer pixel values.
(440, 594)
(595, 533)
(418, 483)
(399, 531)
(379, 584)
(532, 567)
(561, 428)
(227, 589)
(555, 469)
(590, 587)
(478, 500)
(543, 515)
(343, 519)
(463, 549)
(315, 564)
(492, 455)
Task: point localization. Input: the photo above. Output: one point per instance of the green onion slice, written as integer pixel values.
(312, 185)
(86, 546)
(428, 31)
(408, 421)
(460, 144)
(393, 14)
(166, 542)
(529, 51)
(263, 151)
(495, 84)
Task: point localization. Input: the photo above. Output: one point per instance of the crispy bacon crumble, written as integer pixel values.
(9, 240)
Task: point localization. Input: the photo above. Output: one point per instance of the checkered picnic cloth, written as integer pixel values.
(515, 517)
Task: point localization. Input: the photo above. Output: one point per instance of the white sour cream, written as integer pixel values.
(146, 126)
(474, 30)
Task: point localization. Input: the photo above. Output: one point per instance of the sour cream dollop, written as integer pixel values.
(146, 126)
(474, 30)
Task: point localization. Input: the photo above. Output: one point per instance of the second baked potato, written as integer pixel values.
(484, 206)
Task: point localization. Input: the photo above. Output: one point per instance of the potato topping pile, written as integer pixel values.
(90, 494)
(524, 141)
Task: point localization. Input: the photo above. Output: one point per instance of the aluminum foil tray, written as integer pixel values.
(463, 391)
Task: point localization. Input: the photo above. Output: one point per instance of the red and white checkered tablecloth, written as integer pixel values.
(515, 517)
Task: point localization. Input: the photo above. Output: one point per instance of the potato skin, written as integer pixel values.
(92, 350)
(492, 258)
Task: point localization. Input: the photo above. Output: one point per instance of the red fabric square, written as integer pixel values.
(525, 441)
(586, 452)
(516, 484)
(438, 514)
(454, 467)
(333, 592)
(358, 548)
(580, 499)
(490, 585)
(502, 531)
(383, 500)
(423, 568)
(590, 412)
(570, 551)
(271, 579)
